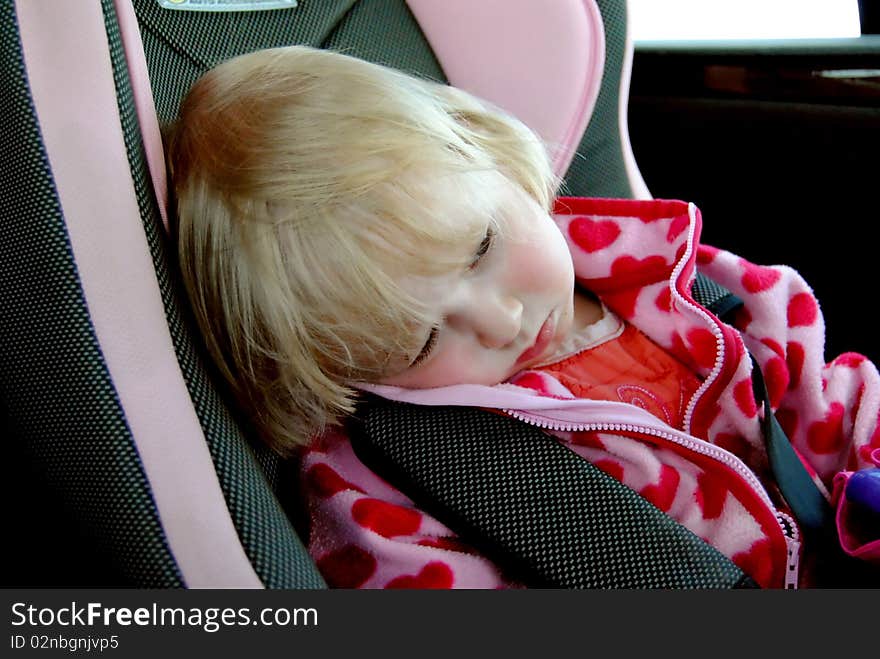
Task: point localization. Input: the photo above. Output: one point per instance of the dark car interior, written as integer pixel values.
(777, 142)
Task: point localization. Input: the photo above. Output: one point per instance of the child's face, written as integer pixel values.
(510, 309)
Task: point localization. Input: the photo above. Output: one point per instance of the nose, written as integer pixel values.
(495, 319)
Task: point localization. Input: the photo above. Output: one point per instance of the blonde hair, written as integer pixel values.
(303, 186)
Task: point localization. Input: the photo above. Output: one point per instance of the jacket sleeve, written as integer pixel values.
(829, 410)
(363, 533)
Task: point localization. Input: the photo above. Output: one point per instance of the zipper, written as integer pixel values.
(787, 525)
(707, 318)
(793, 547)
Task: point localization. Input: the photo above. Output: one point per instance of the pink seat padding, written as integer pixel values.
(66, 54)
(540, 61)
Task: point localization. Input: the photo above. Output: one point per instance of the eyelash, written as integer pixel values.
(481, 252)
(429, 346)
(484, 247)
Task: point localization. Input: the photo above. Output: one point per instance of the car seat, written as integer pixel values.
(124, 465)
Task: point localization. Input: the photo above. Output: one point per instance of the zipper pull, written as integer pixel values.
(793, 550)
(792, 565)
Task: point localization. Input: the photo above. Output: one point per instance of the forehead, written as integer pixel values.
(467, 197)
(439, 221)
(461, 207)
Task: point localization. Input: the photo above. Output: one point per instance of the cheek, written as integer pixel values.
(471, 364)
(542, 263)
(448, 367)
(456, 364)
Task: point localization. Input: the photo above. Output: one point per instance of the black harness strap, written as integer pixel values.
(546, 516)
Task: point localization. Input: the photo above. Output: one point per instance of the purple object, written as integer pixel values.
(863, 493)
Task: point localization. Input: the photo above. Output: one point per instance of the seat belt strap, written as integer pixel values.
(808, 505)
(547, 517)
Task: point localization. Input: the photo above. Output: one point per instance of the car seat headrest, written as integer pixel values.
(542, 62)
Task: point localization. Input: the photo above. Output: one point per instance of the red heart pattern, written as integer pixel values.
(653, 267)
(711, 495)
(662, 493)
(757, 279)
(611, 467)
(349, 567)
(592, 235)
(434, 575)
(757, 562)
(850, 359)
(704, 347)
(826, 436)
(678, 224)
(774, 346)
(325, 482)
(588, 438)
(386, 519)
(706, 254)
(664, 300)
(802, 310)
(744, 396)
(795, 356)
(776, 377)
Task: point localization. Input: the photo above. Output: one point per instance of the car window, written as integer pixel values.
(743, 19)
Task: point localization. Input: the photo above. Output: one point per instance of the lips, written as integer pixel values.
(543, 339)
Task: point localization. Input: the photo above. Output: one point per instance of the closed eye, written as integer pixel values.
(427, 348)
(485, 246)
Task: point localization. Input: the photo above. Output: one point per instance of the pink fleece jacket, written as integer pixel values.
(639, 257)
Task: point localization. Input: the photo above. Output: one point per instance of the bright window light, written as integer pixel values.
(743, 19)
